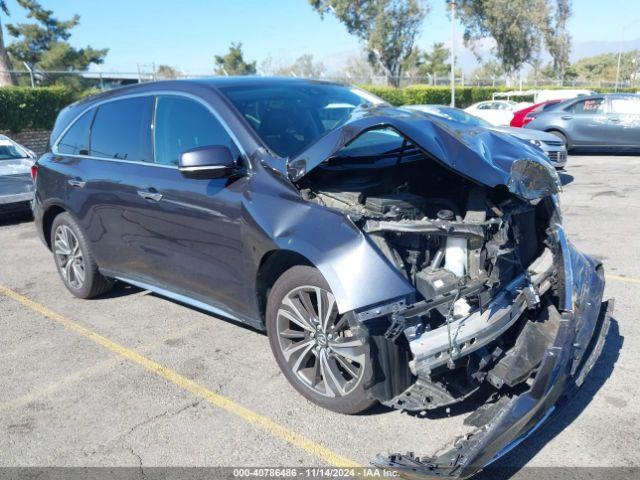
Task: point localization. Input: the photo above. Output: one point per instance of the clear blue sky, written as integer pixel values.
(187, 34)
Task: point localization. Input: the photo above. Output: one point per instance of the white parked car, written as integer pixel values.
(16, 186)
(496, 112)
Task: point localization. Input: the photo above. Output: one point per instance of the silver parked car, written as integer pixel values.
(549, 143)
(610, 121)
(16, 186)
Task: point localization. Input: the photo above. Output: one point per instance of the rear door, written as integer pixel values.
(624, 121)
(586, 122)
(189, 230)
(103, 153)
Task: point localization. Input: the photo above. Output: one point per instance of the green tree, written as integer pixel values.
(5, 64)
(604, 67)
(388, 28)
(43, 45)
(558, 40)
(233, 62)
(489, 69)
(516, 26)
(167, 72)
(304, 66)
(434, 62)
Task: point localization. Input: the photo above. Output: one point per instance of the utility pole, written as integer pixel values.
(453, 53)
(31, 76)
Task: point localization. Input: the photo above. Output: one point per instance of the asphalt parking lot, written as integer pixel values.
(133, 379)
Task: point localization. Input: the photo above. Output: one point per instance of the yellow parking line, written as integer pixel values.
(96, 369)
(196, 389)
(623, 279)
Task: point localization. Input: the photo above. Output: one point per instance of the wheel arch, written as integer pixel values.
(560, 130)
(272, 265)
(48, 217)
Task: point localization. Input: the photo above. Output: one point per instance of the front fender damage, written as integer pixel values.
(549, 360)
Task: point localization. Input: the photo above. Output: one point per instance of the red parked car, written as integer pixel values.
(524, 116)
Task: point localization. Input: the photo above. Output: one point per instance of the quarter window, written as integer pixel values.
(122, 130)
(76, 140)
(182, 124)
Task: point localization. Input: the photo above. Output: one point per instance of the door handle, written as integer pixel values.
(614, 119)
(75, 183)
(151, 194)
(566, 117)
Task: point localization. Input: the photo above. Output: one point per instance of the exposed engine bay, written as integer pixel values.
(499, 307)
(477, 257)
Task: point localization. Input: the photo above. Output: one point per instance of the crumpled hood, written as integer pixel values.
(486, 156)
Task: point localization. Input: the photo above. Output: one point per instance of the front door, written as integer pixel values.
(624, 121)
(193, 243)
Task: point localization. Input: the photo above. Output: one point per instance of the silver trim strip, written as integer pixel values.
(181, 298)
(201, 167)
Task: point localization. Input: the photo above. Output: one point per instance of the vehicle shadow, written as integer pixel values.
(565, 178)
(576, 152)
(512, 463)
(123, 289)
(8, 219)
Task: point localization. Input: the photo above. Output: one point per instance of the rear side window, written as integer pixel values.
(591, 105)
(76, 140)
(122, 130)
(182, 124)
(626, 105)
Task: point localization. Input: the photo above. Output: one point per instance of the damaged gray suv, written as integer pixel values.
(391, 257)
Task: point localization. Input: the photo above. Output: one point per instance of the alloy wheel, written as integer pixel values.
(318, 344)
(66, 248)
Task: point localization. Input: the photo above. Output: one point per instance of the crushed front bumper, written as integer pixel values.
(501, 426)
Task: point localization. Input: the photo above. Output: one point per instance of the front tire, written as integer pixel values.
(321, 353)
(562, 137)
(74, 261)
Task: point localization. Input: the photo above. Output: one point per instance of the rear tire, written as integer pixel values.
(319, 351)
(75, 263)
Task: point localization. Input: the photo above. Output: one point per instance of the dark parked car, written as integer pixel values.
(16, 185)
(390, 257)
(609, 121)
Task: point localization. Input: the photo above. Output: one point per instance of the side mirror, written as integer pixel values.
(214, 161)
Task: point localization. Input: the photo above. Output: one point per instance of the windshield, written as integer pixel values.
(288, 118)
(9, 150)
(460, 116)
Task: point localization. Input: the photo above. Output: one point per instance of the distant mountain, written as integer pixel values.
(591, 49)
(336, 62)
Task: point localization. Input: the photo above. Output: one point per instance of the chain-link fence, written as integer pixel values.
(107, 80)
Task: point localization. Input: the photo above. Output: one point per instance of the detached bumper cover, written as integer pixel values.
(15, 188)
(573, 352)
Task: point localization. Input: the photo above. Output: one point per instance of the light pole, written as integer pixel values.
(453, 52)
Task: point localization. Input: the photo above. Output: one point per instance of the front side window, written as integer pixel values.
(182, 124)
(122, 130)
(589, 106)
(76, 140)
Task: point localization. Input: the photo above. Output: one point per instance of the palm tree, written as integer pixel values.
(5, 65)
